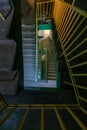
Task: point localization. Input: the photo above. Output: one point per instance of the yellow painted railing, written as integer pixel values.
(71, 25)
(49, 111)
(44, 9)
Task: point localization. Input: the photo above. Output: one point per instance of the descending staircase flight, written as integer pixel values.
(28, 52)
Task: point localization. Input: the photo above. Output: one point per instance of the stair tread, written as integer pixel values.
(28, 33)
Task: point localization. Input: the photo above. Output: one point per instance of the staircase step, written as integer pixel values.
(51, 78)
(28, 48)
(50, 64)
(28, 34)
(31, 50)
(29, 43)
(28, 40)
(28, 63)
(29, 74)
(29, 60)
(28, 20)
(25, 49)
(29, 57)
(28, 78)
(51, 71)
(29, 68)
(28, 54)
(49, 84)
(28, 28)
(51, 74)
(51, 68)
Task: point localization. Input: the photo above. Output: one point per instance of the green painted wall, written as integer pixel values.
(44, 27)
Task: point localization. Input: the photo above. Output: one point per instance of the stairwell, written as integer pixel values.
(28, 39)
(29, 55)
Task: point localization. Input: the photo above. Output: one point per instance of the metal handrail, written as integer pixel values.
(55, 111)
(68, 20)
(45, 9)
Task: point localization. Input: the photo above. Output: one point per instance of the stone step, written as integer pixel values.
(28, 53)
(29, 67)
(29, 60)
(27, 63)
(29, 72)
(28, 46)
(50, 63)
(28, 50)
(29, 28)
(51, 67)
(28, 34)
(51, 74)
(51, 78)
(28, 41)
(51, 70)
(28, 20)
(28, 25)
(32, 50)
(29, 57)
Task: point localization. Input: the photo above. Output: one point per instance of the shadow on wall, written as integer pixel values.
(27, 8)
(8, 76)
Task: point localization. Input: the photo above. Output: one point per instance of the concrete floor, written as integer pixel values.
(48, 96)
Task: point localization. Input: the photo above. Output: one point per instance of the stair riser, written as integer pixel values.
(27, 35)
(28, 41)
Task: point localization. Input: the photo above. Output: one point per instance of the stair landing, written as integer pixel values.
(41, 84)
